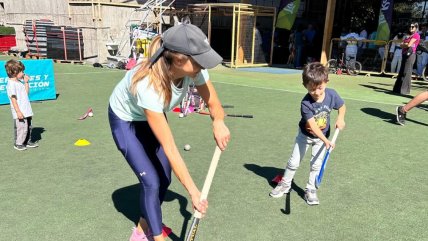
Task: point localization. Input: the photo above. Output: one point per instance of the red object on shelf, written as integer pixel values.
(131, 63)
(6, 42)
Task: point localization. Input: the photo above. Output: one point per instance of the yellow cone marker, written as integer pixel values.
(82, 142)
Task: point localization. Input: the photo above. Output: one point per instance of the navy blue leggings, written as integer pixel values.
(147, 159)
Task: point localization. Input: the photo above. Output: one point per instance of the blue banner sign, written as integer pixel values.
(42, 82)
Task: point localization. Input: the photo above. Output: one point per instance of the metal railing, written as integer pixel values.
(375, 56)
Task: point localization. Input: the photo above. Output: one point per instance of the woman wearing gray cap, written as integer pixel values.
(139, 125)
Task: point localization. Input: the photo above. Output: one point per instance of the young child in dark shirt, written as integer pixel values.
(314, 129)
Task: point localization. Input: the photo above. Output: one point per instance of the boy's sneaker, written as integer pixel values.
(311, 197)
(401, 115)
(20, 147)
(281, 189)
(32, 144)
(137, 236)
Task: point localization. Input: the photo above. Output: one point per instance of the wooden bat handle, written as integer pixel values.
(209, 178)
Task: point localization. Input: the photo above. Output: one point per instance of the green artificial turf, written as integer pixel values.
(374, 187)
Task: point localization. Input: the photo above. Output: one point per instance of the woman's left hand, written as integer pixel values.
(221, 134)
(220, 130)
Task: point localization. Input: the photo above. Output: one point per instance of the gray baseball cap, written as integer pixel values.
(188, 39)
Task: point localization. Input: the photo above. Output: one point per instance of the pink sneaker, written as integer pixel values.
(166, 231)
(137, 236)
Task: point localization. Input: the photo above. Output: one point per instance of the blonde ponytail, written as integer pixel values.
(158, 73)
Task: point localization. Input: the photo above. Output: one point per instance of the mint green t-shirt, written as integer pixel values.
(129, 107)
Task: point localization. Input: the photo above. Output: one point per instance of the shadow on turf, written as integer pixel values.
(415, 85)
(36, 133)
(422, 107)
(387, 116)
(386, 91)
(126, 201)
(269, 173)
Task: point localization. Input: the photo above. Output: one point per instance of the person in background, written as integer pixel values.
(291, 48)
(342, 44)
(403, 83)
(298, 43)
(422, 57)
(259, 56)
(372, 36)
(309, 41)
(362, 45)
(363, 34)
(18, 90)
(395, 53)
(351, 47)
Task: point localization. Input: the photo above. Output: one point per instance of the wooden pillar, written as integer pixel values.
(272, 37)
(328, 28)
(241, 58)
(241, 29)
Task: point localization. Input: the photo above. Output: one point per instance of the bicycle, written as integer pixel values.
(425, 73)
(192, 102)
(351, 66)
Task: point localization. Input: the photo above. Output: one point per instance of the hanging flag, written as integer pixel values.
(287, 13)
(385, 20)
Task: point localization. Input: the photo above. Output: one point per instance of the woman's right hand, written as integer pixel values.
(200, 206)
(20, 115)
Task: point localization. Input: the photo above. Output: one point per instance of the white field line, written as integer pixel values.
(296, 92)
(103, 72)
(241, 85)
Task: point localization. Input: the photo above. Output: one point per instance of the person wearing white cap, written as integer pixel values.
(139, 126)
(351, 47)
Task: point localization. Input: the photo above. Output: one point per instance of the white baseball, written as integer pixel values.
(187, 147)
(90, 114)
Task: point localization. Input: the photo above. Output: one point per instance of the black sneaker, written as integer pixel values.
(32, 145)
(20, 147)
(401, 115)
